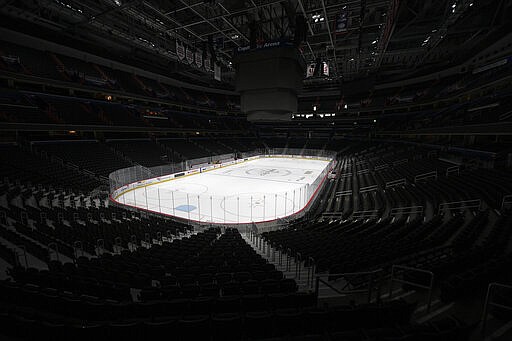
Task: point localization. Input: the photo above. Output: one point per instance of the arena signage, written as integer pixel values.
(180, 50)
(190, 55)
(270, 44)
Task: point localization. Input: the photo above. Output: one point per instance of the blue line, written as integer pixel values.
(246, 177)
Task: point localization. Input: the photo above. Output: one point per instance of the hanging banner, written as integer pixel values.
(310, 70)
(326, 69)
(207, 65)
(199, 58)
(217, 72)
(190, 55)
(340, 25)
(180, 50)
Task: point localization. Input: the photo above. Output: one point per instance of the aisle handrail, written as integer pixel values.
(488, 302)
(298, 264)
(417, 285)
(311, 271)
(368, 290)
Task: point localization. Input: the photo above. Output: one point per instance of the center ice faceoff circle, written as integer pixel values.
(268, 172)
(257, 190)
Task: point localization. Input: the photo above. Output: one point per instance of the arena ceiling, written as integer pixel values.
(356, 37)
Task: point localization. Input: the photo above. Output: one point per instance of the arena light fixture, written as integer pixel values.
(317, 18)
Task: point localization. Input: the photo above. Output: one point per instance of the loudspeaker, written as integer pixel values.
(318, 67)
(211, 48)
(252, 34)
(300, 29)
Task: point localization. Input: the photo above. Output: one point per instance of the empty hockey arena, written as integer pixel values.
(258, 190)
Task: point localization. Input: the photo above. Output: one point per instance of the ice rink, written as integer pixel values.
(257, 190)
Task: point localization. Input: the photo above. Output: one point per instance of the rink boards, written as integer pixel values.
(256, 189)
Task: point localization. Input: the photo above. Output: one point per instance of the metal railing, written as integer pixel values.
(406, 210)
(398, 182)
(78, 249)
(429, 287)
(100, 247)
(432, 154)
(23, 253)
(400, 162)
(381, 167)
(490, 303)
(118, 248)
(368, 188)
(344, 193)
(425, 176)
(298, 265)
(457, 205)
(365, 214)
(332, 215)
(288, 259)
(506, 201)
(133, 243)
(373, 277)
(53, 248)
(452, 170)
(3, 217)
(311, 272)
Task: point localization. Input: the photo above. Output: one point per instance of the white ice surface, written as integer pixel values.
(253, 191)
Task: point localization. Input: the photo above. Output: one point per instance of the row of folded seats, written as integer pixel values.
(6, 254)
(101, 160)
(475, 256)
(53, 220)
(88, 233)
(20, 166)
(192, 321)
(90, 308)
(281, 325)
(208, 263)
(118, 287)
(489, 185)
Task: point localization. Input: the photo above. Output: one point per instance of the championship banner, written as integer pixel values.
(207, 64)
(217, 74)
(199, 58)
(340, 25)
(180, 50)
(325, 69)
(190, 55)
(310, 70)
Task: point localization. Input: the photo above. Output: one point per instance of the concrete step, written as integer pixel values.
(288, 272)
(440, 309)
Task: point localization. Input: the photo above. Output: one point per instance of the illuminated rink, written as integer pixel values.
(257, 190)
